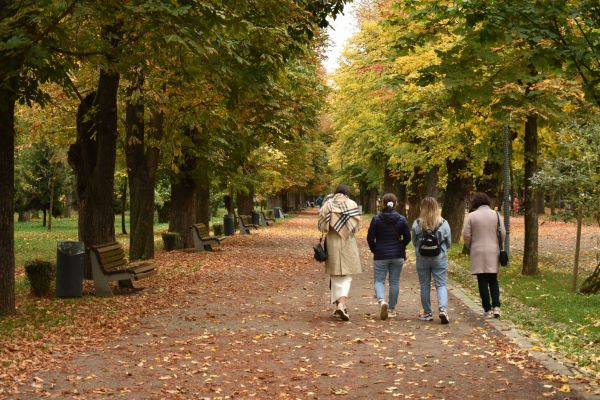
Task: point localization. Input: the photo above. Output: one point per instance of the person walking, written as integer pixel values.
(387, 237)
(480, 234)
(339, 219)
(432, 238)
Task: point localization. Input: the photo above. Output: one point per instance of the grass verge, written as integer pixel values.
(554, 317)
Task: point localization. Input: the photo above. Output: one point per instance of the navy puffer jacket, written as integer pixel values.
(388, 235)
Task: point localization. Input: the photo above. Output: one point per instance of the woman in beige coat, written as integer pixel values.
(480, 234)
(339, 218)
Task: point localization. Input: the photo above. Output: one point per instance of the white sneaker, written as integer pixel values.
(383, 310)
(487, 314)
(391, 314)
(444, 316)
(496, 312)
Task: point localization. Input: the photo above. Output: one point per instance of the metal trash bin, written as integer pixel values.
(255, 218)
(69, 268)
(228, 225)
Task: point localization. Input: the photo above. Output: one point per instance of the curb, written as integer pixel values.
(553, 362)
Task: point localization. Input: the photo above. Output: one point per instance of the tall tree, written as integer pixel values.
(28, 31)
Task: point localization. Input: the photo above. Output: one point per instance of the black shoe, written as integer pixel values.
(343, 314)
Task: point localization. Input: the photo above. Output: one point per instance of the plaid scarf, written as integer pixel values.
(341, 214)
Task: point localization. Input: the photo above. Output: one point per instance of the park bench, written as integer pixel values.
(266, 220)
(109, 264)
(246, 224)
(203, 240)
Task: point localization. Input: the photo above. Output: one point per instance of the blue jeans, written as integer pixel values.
(392, 266)
(438, 267)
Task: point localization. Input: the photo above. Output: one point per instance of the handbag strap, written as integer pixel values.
(498, 232)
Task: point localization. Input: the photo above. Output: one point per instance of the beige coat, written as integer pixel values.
(343, 257)
(479, 234)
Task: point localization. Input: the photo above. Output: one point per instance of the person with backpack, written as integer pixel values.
(387, 237)
(432, 238)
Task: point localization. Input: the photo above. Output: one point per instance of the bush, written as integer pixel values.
(39, 274)
(171, 241)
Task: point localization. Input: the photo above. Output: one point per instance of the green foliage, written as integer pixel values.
(39, 275)
(573, 174)
(38, 168)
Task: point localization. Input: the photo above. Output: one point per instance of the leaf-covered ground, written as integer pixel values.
(251, 320)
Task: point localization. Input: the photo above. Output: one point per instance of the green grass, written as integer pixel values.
(545, 306)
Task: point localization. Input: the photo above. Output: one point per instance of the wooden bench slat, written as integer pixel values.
(143, 275)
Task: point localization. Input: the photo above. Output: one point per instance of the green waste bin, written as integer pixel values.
(228, 225)
(69, 268)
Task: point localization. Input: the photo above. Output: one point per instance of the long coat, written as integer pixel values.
(343, 257)
(480, 236)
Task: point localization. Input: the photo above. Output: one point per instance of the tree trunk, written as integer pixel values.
(142, 163)
(431, 182)
(23, 216)
(7, 191)
(44, 220)
(51, 203)
(457, 190)
(183, 207)
(577, 248)
(418, 190)
(203, 213)
(530, 155)
(392, 184)
(245, 204)
(123, 207)
(93, 157)
(370, 205)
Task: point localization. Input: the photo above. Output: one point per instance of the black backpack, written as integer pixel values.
(430, 245)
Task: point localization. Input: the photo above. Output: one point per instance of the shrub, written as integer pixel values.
(39, 274)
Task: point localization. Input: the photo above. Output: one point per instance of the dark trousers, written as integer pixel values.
(488, 285)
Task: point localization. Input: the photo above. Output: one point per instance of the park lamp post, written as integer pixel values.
(506, 184)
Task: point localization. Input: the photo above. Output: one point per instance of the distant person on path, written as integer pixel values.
(339, 218)
(516, 204)
(387, 237)
(480, 236)
(432, 238)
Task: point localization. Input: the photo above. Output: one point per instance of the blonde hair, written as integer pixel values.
(430, 213)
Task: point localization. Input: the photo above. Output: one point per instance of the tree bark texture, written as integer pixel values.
(123, 207)
(244, 202)
(457, 191)
(93, 157)
(423, 184)
(203, 213)
(183, 206)
(530, 155)
(7, 192)
(490, 182)
(142, 163)
(392, 184)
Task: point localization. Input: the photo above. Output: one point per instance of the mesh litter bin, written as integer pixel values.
(255, 218)
(228, 225)
(69, 268)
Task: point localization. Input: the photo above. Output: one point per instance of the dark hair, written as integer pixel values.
(343, 189)
(479, 199)
(386, 199)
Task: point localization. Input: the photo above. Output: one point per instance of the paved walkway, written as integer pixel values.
(259, 326)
